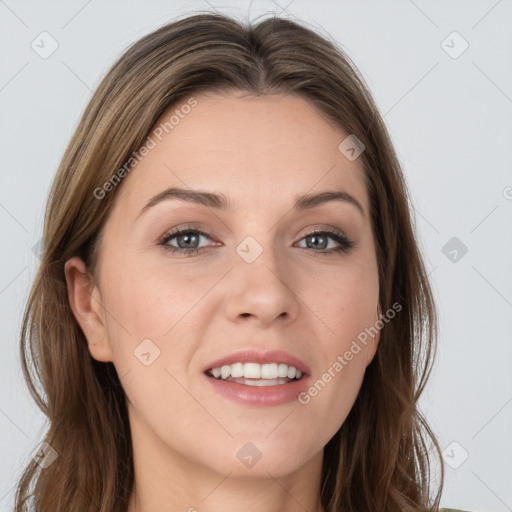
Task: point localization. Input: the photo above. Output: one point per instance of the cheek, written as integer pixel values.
(151, 302)
(346, 310)
(334, 388)
(150, 327)
(345, 303)
(154, 327)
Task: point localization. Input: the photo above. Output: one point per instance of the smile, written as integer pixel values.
(255, 374)
(255, 378)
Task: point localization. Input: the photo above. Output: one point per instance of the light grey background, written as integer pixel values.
(449, 119)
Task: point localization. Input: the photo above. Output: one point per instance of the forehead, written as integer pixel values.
(258, 151)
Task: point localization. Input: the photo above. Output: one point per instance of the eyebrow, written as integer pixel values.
(221, 202)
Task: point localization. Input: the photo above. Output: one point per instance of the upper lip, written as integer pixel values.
(255, 356)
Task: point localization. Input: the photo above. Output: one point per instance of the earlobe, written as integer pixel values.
(87, 307)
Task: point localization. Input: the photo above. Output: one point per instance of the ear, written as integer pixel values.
(87, 306)
(371, 347)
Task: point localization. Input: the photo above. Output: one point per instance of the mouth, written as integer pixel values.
(255, 374)
(261, 379)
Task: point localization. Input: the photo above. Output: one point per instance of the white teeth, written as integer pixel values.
(225, 371)
(261, 382)
(252, 370)
(237, 370)
(268, 371)
(282, 370)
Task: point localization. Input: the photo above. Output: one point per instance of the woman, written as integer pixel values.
(231, 310)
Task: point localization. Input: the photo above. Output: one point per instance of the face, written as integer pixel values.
(258, 278)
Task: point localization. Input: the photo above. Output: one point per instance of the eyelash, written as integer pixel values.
(345, 243)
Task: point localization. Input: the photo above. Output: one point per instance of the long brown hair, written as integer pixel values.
(379, 459)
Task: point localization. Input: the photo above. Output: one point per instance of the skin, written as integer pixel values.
(261, 152)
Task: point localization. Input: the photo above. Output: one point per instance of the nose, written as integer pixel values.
(262, 291)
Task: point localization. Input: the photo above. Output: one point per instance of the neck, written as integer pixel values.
(168, 481)
(226, 495)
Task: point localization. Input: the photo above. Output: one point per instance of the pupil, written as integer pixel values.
(187, 237)
(315, 237)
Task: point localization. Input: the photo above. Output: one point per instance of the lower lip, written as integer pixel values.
(262, 396)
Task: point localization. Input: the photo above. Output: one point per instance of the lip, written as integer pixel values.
(261, 396)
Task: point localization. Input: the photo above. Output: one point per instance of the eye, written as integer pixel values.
(188, 240)
(319, 239)
(187, 237)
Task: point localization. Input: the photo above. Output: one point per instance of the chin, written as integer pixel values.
(267, 466)
(257, 456)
